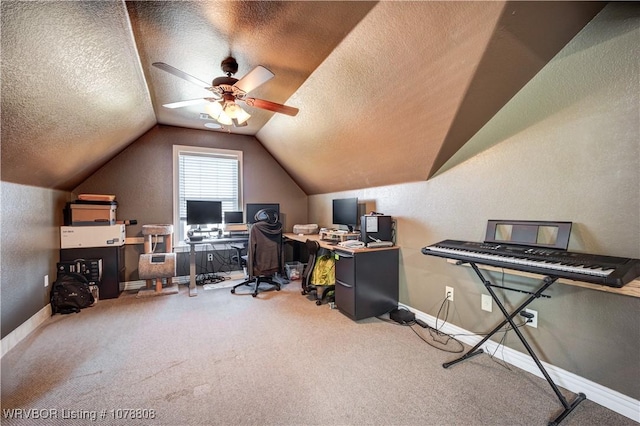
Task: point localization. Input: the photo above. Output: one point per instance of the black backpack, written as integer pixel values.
(70, 293)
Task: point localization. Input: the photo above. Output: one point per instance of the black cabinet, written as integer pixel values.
(112, 266)
(366, 282)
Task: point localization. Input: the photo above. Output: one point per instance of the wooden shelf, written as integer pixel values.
(631, 289)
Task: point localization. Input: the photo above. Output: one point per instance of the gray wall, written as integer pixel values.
(565, 148)
(30, 236)
(142, 180)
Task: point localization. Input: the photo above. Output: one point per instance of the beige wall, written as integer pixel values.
(141, 178)
(565, 148)
(30, 236)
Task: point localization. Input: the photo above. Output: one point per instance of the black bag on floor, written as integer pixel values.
(70, 293)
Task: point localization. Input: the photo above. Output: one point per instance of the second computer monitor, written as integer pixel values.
(253, 208)
(233, 217)
(345, 212)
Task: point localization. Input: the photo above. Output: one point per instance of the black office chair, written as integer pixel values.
(264, 251)
(321, 291)
(241, 254)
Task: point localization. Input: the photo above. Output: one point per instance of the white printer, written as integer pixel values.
(92, 236)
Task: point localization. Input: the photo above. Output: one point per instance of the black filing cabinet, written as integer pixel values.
(366, 281)
(112, 266)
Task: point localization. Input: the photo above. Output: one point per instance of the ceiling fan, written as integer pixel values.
(226, 90)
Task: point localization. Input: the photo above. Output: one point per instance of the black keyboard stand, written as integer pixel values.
(476, 350)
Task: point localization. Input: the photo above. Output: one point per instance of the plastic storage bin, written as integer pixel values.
(294, 270)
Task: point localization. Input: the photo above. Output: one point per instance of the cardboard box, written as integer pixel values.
(91, 213)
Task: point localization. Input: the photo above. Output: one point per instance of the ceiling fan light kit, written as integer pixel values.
(226, 90)
(227, 114)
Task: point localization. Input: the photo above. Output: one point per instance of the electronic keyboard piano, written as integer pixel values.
(553, 263)
(605, 270)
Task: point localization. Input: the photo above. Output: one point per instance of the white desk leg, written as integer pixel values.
(193, 291)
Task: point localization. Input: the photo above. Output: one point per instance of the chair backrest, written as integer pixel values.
(265, 248)
(312, 247)
(266, 215)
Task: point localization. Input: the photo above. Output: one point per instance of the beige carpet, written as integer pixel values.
(278, 359)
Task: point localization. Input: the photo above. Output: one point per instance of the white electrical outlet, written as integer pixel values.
(486, 303)
(46, 280)
(448, 293)
(210, 257)
(534, 320)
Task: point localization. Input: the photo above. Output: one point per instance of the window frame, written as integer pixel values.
(179, 150)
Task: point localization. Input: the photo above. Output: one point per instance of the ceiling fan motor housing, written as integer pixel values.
(229, 66)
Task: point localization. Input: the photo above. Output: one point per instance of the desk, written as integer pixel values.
(193, 291)
(329, 246)
(367, 279)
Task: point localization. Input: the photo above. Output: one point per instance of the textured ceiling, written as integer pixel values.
(289, 38)
(411, 79)
(73, 91)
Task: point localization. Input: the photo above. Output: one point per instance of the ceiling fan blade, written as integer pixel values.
(237, 124)
(190, 102)
(183, 75)
(271, 106)
(256, 77)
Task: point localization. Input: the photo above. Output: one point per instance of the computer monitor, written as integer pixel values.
(345, 212)
(203, 212)
(233, 217)
(253, 208)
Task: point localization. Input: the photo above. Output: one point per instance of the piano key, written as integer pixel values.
(563, 264)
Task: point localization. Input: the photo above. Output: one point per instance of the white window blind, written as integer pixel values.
(206, 174)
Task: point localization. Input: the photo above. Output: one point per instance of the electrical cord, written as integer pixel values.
(441, 340)
(404, 324)
(224, 260)
(432, 330)
(209, 278)
(441, 345)
(446, 315)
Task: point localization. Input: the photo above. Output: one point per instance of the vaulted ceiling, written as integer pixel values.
(387, 92)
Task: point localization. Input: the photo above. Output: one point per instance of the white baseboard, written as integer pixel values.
(608, 398)
(24, 329)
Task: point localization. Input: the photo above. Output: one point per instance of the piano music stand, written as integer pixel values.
(476, 350)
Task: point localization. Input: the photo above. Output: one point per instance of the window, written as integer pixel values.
(204, 174)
